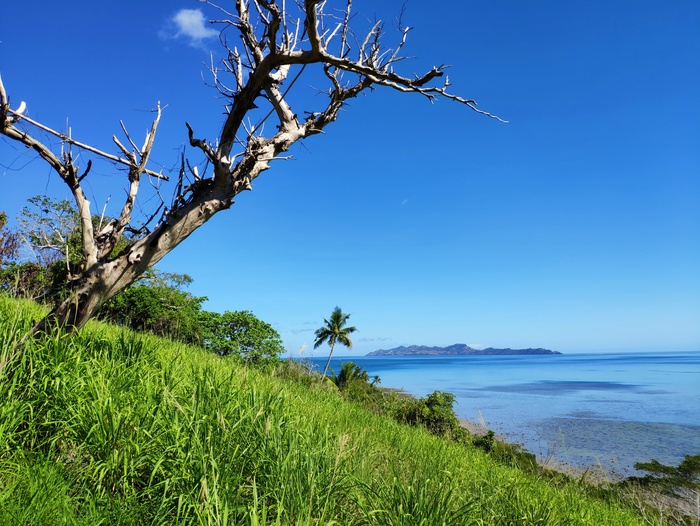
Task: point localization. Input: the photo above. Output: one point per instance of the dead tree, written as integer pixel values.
(278, 47)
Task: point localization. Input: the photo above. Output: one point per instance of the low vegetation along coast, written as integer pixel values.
(109, 426)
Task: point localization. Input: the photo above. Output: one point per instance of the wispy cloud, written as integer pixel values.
(190, 25)
(372, 340)
(307, 326)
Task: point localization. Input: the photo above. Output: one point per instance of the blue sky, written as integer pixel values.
(576, 226)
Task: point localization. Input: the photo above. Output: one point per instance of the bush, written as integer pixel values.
(434, 412)
(299, 371)
(43, 284)
(243, 335)
(670, 479)
(162, 310)
(509, 454)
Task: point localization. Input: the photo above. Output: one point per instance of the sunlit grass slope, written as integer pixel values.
(110, 427)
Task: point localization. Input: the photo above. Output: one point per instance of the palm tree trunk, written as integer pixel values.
(327, 363)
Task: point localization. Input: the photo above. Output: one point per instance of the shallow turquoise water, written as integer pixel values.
(602, 410)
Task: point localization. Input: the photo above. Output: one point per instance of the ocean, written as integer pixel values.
(600, 411)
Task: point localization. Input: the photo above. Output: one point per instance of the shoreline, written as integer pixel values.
(597, 429)
(591, 473)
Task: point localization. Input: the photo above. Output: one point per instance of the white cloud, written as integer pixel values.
(189, 24)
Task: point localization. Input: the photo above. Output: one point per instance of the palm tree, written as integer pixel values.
(334, 331)
(349, 372)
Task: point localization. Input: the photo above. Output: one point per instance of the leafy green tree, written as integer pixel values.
(334, 331)
(158, 304)
(46, 226)
(32, 280)
(158, 278)
(51, 229)
(11, 276)
(242, 334)
(9, 241)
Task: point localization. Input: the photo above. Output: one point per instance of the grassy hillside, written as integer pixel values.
(110, 427)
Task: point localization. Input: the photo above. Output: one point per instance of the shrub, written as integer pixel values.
(241, 334)
(670, 479)
(299, 371)
(160, 309)
(434, 412)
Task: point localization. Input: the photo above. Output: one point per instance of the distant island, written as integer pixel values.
(453, 350)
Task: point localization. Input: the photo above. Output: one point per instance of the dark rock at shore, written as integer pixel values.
(456, 349)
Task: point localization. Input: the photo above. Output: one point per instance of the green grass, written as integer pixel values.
(111, 427)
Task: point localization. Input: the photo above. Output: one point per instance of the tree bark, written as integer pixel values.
(109, 276)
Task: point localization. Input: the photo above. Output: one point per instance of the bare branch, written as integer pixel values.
(311, 25)
(113, 232)
(7, 120)
(67, 139)
(126, 152)
(86, 171)
(345, 46)
(272, 44)
(199, 143)
(126, 134)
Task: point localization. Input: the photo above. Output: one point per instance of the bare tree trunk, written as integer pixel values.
(276, 45)
(107, 278)
(328, 363)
